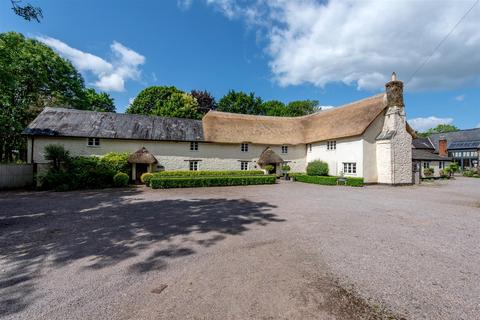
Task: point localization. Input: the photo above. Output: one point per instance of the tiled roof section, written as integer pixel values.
(423, 154)
(422, 143)
(79, 123)
(461, 135)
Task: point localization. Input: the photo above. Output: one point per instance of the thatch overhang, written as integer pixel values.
(269, 156)
(142, 156)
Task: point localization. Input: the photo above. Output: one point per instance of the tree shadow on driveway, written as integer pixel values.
(108, 227)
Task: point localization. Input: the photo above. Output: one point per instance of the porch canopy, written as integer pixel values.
(142, 156)
(269, 156)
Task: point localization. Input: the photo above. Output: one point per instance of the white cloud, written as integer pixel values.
(111, 75)
(460, 98)
(184, 4)
(423, 124)
(361, 42)
(478, 125)
(325, 107)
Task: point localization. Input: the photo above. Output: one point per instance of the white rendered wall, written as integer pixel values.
(175, 155)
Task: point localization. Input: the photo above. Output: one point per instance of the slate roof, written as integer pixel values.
(79, 123)
(456, 136)
(424, 154)
(422, 143)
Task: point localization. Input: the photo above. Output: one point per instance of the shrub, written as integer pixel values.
(269, 168)
(329, 181)
(57, 155)
(120, 179)
(468, 173)
(317, 168)
(117, 161)
(428, 172)
(443, 173)
(146, 177)
(286, 168)
(187, 182)
(183, 173)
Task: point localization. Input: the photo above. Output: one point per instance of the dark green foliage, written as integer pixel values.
(188, 182)
(205, 100)
(146, 177)
(120, 180)
(274, 108)
(241, 102)
(301, 108)
(441, 128)
(98, 101)
(328, 180)
(57, 155)
(269, 168)
(286, 168)
(181, 173)
(317, 168)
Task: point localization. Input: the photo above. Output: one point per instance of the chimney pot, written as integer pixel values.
(394, 90)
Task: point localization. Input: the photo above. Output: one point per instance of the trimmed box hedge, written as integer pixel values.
(189, 182)
(186, 173)
(329, 180)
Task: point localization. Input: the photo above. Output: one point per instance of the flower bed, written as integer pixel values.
(329, 180)
(206, 181)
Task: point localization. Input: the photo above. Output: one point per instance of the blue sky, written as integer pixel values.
(334, 52)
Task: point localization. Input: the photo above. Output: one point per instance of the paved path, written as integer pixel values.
(287, 251)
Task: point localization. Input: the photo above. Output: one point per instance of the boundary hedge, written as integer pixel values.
(329, 180)
(189, 182)
(186, 173)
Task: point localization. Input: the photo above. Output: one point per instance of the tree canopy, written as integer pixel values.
(241, 102)
(441, 128)
(206, 101)
(33, 76)
(98, 101)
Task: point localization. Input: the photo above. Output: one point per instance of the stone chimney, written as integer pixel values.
(394, 90)
(442, 147)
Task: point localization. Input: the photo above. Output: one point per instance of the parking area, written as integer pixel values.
(285, 251)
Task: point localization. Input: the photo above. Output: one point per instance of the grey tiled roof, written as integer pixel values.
(79, 123)
(423, 154)
(462, 135)
(422, 143)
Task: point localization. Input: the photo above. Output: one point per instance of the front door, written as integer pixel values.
(141, 168)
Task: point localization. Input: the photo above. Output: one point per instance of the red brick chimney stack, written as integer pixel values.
(442, 147)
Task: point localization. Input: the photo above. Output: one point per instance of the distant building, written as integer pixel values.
(369, 138)
(463, 146)
(424, 156)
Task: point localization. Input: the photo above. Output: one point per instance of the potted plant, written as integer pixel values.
(286, 170)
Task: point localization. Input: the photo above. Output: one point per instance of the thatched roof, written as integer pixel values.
(269, 156)
(346, 121)
(79, 123)
(142, 156)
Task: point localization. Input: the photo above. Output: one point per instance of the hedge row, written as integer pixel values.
(188, 182)
(328, 180)
(186, 173)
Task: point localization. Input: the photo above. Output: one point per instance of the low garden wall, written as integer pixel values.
(16, 176)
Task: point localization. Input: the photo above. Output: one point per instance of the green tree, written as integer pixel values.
(241, 102)
(150, 99)
(32, 77)
(441, 128)
(301, 108)
(95, 101)
(179, 105)
(274, 108)
(57, 155)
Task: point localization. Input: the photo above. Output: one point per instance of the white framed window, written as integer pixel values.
(244, 165)
(93, 142)
(194, 146)
(193, 165)
(309, 147)
(244, 147)
(332, 145)
(426, 164)
(284, 149)
(350, 167)
(441, 164)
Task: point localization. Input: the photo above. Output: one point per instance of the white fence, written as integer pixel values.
(16, 175)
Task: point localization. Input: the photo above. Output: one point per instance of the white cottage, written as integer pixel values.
(368, 138)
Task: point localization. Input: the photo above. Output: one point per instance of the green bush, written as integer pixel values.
(183, 173)
(121, 179)
(146, 177)
(188, 182)
(428, 172)
(117, 161)
(329, 180)
(468, 173)
(269, 168)
(317, 168)
(286, 168)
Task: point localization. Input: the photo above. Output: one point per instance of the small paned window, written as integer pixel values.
(284, 149)
(193, 165)
(244, 147)
(331, 145)
(350, 167)
(194, 146)
(426, 165)
(93, 142)
(244, 165)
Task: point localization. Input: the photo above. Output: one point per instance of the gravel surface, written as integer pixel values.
(285, 251)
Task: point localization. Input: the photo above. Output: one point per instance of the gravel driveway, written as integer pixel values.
(285, 251)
